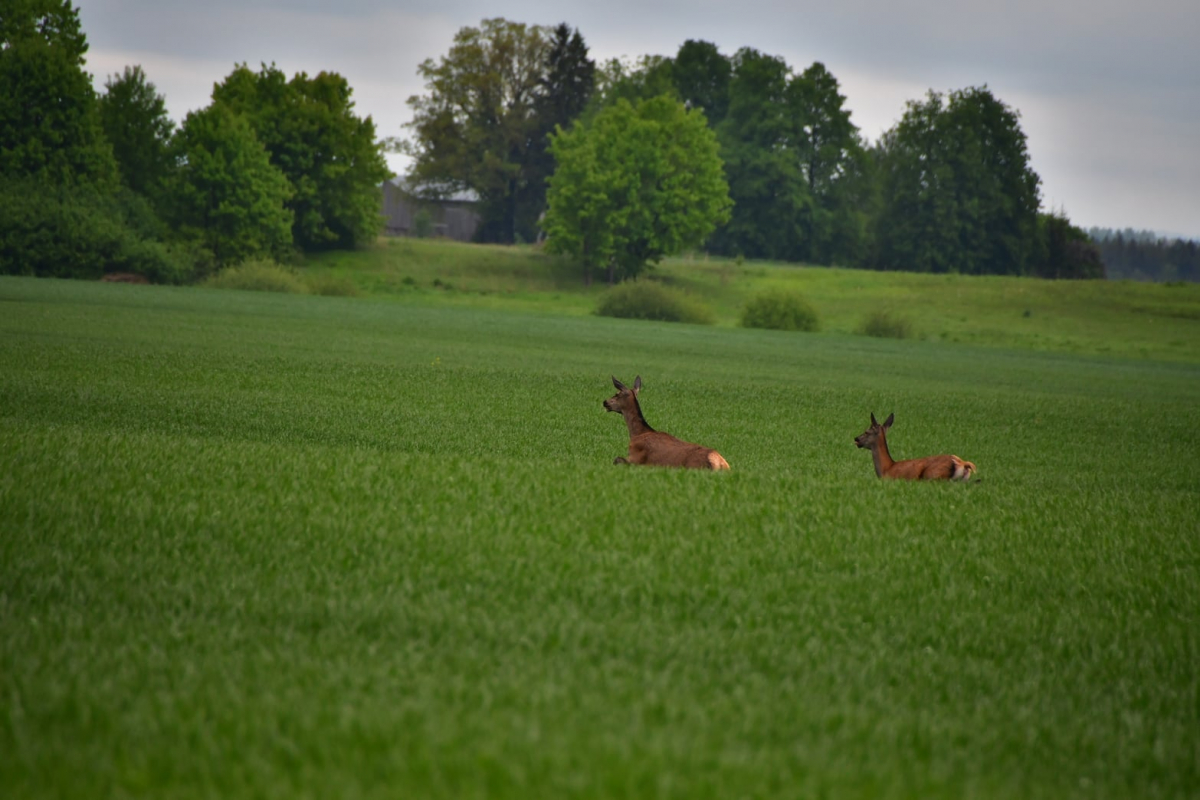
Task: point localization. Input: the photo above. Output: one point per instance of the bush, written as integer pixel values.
(779, 309)
(886, 325)
(332, 286)
(257, 275)
(650, 300)
(79, 232)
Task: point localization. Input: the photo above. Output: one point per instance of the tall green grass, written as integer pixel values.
(1108, 318)
(266, 545)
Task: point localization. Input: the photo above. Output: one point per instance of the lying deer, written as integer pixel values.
(944, 467)
(648, 446)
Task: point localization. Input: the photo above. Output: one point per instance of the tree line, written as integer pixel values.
(618, 163)
(947, 189)
(1147, 256)
(105, 182)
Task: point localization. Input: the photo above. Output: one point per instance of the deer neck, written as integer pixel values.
(881, 456)
(635, 421)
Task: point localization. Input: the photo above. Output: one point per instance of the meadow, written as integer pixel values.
(261, 545)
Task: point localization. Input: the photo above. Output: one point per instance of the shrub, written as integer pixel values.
(779, 309)
(650, 300)
(886, 325)
(258, 275)
(80, 232)
(332, 286)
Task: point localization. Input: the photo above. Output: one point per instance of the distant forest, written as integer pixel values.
(1146, 256)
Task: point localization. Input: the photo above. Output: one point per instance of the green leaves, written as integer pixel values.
(329, 156)
(49, 126)
(226, 193)
(634, 185)
(959, 193)
(135, 121)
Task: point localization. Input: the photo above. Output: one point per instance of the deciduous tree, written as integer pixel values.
(136, 123)
(226, 195)
(473, 128)
(328, 154)
(633, 185)
(958, 192)
(49, 124)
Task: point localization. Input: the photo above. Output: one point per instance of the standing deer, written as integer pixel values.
(944, 467)
(648, 446)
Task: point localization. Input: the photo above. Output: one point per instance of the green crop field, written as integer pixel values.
(260, 545)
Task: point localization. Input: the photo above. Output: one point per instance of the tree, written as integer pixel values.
(833, 163)
(1065, 251)
(49, 125)
(765, 183)
(226, 194)
(329, 155)
(701, 75)
(959, 195)
(474, 128)
(135, 121)
(565, 90)
(633, 185)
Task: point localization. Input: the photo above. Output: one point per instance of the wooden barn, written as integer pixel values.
(407, 213)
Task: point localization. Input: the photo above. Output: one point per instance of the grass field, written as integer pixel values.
(290, 546)
(1110, 318)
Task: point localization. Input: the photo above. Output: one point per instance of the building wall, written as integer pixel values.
(452, 219)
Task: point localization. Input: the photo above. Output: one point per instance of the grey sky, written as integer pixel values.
(1108, 91)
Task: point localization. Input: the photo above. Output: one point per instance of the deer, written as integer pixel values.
(648, 446)
(930, 468)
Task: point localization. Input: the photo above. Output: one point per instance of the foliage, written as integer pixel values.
(475, 126)
(82, 231)
(634, 185)
(701, 76)
(329, 155)
(564, 92)
(835, 167)
(226, 195)
(654, 301)
(631, 80)
(49, 124)
(257, 275)
(779, 309)
(959, 194)
(884, 324)
(135, 121)
(765, 183)
(1064, 250)
(331, 285)
(478, 604)
(1145, 255)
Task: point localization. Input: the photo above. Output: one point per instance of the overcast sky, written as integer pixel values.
(1108, 90)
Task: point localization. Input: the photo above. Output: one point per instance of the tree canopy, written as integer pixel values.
(135, 121)
(635, 184)
(491, 101)
(958, 192)
(49, 122)
(226, 194)
(330, 156)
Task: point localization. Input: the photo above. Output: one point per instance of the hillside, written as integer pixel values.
(1118, 318)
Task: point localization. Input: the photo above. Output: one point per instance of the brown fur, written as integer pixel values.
(648, 446)
(930, 468)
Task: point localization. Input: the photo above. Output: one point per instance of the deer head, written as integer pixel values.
(872, 435)
(625, 397)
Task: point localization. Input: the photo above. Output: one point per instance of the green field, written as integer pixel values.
(1109, 318)
(260, 545)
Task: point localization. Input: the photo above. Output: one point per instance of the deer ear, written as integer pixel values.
(637, 384)
(618, 384)
(873, 422)
(887, 423)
